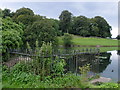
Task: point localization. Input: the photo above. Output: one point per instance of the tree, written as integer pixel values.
(24, 15)
(65, 21)
(1, 13)
(55, 24)
(23, 11)
(93, 26)
(42, 30)
(11, 35)
(103, 26)
(80, 26)
(6, 12)
(118, 37)
(25, 19)
(38, 18)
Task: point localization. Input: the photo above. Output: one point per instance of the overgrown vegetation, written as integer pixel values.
(42, 65)
(25, 29)
(18, 78)
(11, 36)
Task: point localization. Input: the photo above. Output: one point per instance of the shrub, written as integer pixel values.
(84, 70)
(11, 36)
(67, 39)
(58, 66)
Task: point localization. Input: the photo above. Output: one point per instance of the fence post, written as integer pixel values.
(75, 63)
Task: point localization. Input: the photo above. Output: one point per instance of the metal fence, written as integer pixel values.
(73, 58)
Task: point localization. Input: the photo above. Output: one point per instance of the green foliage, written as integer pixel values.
(94, 77)
(93, 26)
(22, 79)
(84, 70)
(43, 30)
(80, 26)
(24, 15)
(8, 24)
(58, 66)
(43, 70)
(11, 39)
(1, 13)
(87, 27)
(118, 37)
(36, 69)
(41, 65)
(45, 66)
(16, 77)
(55, 24)
(103, 26)
(108, 85)
(69, 81)
(25, 19)
(29, 48)
(23, 11)
(11, 35)
(6, 13)
(65, 21)
(67, 39)
(84, 33)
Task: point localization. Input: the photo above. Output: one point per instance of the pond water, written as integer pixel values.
(105, 64)
(112, 71)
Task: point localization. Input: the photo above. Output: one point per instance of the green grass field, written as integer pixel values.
(85, 41)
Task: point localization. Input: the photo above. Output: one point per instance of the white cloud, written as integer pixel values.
(114, 32)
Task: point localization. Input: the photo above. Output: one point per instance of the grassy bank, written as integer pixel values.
(91, 41)
(102, 49)
(22, 79)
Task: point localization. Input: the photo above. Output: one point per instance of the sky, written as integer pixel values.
(52, 9)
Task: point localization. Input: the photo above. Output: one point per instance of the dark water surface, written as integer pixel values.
(105, 64)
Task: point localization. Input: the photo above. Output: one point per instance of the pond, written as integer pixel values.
(105, 64)
(112, 71)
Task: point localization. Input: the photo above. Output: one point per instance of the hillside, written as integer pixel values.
(91, 41)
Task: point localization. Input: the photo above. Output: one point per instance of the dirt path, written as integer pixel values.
(101, 79)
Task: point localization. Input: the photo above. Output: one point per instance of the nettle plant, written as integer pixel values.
(43, 63)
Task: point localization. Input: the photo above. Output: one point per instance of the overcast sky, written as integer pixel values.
(108, 10)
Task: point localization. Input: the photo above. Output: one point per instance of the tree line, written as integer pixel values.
(22, 26)
(83, 26)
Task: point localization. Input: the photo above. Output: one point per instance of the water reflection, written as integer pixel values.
(98, 62)
(105, 64)
(118, 52)
(111, 70)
